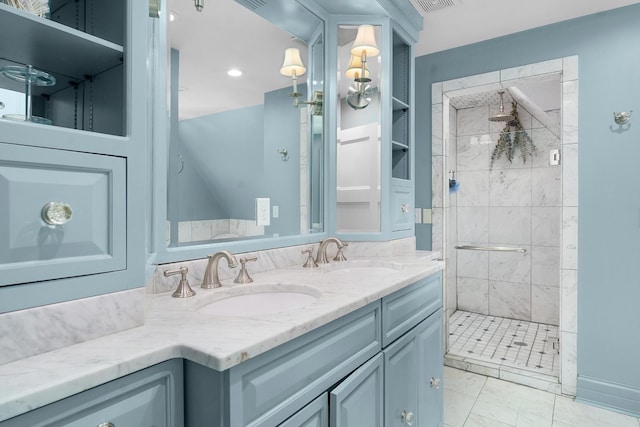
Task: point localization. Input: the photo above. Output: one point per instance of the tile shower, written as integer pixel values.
(530, 206)
(512, 204)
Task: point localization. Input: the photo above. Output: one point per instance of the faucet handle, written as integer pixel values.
(340, 255)
(310, 262)
(183, 290)
(243, 276)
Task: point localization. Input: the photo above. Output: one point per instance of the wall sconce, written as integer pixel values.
(364, 46)
(199, 5)
(293, 67)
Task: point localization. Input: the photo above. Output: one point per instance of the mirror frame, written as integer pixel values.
(158, 251)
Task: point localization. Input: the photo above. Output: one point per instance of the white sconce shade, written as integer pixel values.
(354, 70)
(365, 41)
(292, 64)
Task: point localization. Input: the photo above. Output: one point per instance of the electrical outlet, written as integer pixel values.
(417, 216)
(276, 212)
(263, 214)
(554, 157)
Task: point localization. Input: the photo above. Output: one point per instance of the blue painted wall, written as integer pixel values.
(608, 45)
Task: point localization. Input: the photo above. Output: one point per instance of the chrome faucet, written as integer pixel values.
(211, 279)
(321, 256)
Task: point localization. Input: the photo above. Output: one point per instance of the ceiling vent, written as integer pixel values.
(252, 4)
(427, 6)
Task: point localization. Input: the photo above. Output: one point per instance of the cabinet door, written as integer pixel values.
(401, 381)
(315, 414)
(152, 397)
(430, 371)
(357, 401)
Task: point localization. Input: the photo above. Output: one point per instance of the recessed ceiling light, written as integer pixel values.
(172, 16)
(234, 72)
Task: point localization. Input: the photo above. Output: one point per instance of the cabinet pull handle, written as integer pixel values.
(405, 208)
(56, 213)
(435, 382)
(106, 425)
(406, 417)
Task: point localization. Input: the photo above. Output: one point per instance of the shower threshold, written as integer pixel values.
(513, 350)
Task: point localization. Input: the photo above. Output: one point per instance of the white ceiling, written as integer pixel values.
(226, 35)
(470, 21)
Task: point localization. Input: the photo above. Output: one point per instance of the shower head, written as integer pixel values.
(501, 116)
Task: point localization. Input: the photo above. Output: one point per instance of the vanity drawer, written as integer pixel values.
(404, 309)
(151, 397)
(267, 389)
(401, 208)
(42, 188)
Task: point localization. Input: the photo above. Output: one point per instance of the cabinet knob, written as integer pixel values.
(56, 213)
(106, 425)
(406, 417)
(435, 382)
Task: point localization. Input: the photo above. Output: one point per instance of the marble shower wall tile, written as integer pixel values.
(437, 148)
(473, 190)
(472, 153)
(512, 300)
(570, 238)
(510, 226)
(568, 363)
(437, 181)
(473, 264)
(529, 70)
(570, 112)
(547, 187)
(545, 265)
(545, 304)
(546, 226)
(510, 267)
(569, 157)
(510, 187)
(473, 224)
(473, 121)
(569, 301)
(473, 295)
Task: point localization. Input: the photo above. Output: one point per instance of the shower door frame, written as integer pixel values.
(498, 80)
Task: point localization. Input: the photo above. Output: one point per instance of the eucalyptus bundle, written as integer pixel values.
(37, 7)
(512, 140)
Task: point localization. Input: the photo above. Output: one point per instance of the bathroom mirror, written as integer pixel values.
(358, 138)
(232, 140)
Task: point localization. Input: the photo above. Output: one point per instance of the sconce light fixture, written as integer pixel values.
(199, 5)
(293, 67)
(364, 46)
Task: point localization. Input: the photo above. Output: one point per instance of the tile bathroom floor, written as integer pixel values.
(504, 342)
(473, 400)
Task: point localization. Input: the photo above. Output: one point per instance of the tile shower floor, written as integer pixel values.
(501, 342)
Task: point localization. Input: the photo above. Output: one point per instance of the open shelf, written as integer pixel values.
(28, 39)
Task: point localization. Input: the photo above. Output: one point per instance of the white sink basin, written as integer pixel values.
(259, 300)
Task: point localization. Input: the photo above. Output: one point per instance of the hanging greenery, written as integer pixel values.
(511, 140)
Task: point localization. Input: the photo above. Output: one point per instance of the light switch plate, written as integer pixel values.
(263, 211)
(554, 157)
(426, 216)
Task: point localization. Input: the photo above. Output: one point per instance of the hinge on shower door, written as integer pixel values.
(555, 343)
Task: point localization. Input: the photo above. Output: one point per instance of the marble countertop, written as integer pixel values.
(174, 328)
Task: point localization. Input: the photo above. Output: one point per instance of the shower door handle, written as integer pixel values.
(491, 248)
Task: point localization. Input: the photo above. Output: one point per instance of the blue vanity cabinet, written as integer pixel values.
(430, 339)
(413, 354)
(152, 397)
(268, 389)
(373, 367)
(358, 400)
(315, 414)
(83, 151)
(413, 375)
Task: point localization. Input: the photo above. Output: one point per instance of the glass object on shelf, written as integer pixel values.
(30, 77)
